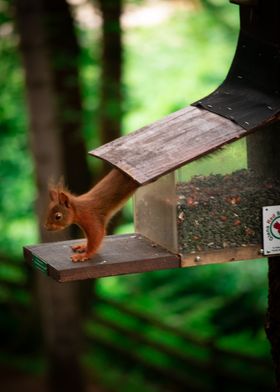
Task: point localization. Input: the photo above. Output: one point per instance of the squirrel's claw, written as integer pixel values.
(79, 257)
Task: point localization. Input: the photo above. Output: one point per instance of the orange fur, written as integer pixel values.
(90, 211)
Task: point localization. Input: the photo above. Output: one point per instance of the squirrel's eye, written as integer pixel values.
(58, 216)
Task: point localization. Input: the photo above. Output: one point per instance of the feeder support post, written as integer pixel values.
(260, 19)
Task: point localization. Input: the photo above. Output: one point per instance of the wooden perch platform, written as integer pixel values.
(120, 254)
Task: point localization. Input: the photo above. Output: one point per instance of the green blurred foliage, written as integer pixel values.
(170, 65)
(17, 220)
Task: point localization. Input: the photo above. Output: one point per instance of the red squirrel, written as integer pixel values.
(90, 211)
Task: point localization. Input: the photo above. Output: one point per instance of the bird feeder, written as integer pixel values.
(198, 201)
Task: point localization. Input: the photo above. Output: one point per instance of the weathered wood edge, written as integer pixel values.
(170, 143)
(154, 258)
(248, 252)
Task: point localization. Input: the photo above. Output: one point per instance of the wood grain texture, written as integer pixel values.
(122, 254)
(249, 252)
(167, 144)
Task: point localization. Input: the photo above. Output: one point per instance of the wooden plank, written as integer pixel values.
(249, 252)
(167, 144)
(122, 254)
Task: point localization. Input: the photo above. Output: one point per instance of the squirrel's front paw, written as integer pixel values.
(79, 257)
(79, 248)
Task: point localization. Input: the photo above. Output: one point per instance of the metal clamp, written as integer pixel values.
(245, 2)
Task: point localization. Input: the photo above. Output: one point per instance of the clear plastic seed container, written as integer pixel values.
(208, 211)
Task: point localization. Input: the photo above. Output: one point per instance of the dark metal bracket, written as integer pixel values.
(250, 94)
(245, 2)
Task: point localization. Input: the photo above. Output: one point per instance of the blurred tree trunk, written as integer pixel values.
(111, 94)
(64, 56)
(263, 155)
(110, 109)
(50, 52)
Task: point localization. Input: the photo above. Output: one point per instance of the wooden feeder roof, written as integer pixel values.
(170, 143)
(167, 144)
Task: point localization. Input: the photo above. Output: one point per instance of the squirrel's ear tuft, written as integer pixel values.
(53, 194)
(64, 199)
